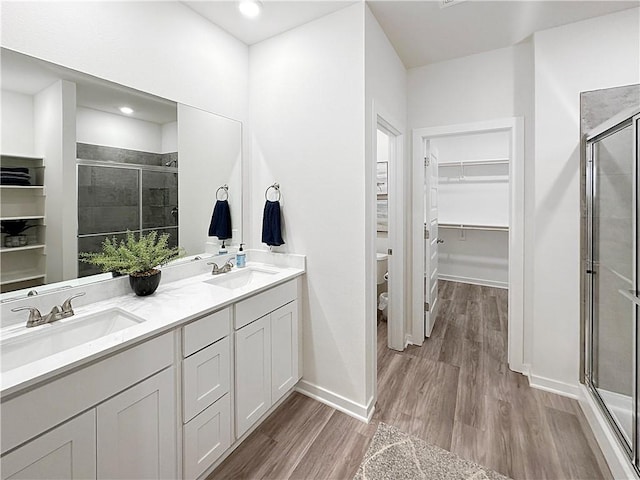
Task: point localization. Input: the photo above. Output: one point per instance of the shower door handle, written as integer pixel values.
(631, 295)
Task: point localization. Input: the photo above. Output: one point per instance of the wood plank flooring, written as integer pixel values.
(455, 392)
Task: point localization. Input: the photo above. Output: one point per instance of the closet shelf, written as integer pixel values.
(22, 276)
(21, 157)
(493, 161)
(469, 226)
(21, 249)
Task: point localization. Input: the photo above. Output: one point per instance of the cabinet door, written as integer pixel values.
(137, 431)
(284, 350)
(206, 437)
(67, 451)
(253, 373)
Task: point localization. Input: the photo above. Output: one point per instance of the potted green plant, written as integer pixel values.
(137, 257)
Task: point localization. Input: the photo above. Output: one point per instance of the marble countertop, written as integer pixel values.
(174, 303)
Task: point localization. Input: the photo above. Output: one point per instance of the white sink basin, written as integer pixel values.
(56, 337)
(240, 278)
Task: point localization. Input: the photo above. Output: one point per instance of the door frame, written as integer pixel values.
(395, 261)
(515, 127)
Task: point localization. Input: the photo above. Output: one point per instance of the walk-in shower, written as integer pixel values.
(612, 303)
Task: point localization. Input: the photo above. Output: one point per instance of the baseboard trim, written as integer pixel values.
(613, 452)
(474, 281)
(334, 400)
(554, 386)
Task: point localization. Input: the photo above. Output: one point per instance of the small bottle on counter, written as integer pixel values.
(241, 257)
(223, 249)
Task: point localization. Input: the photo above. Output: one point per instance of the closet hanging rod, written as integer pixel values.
(496, 161)
(467, 226)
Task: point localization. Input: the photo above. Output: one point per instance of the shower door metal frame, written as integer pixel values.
(612, 126)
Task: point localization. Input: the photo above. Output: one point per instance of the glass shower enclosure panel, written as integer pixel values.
(612, 285)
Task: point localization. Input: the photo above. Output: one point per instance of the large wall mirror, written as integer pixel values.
(84, 159)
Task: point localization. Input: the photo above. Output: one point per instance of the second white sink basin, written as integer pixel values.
(56, 337)
(240, 278)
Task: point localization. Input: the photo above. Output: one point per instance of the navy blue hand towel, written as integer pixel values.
(220, 225)
(272, 224)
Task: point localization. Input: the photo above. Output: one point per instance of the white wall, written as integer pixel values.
(169, 137)
(55, 140)
(112, 130)
(17, 123)
(163, 48)
(598, 53)
(385, 96)
(209, 156)
(307, 117)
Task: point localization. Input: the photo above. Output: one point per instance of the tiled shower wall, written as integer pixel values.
(124, 195)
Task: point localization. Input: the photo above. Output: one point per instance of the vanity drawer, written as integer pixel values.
(206, 377)
(264, 303)
(205, 331)
(206, 438)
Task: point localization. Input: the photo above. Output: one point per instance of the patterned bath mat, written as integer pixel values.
(394, 455)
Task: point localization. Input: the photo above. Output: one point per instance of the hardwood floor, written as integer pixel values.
(455, 392)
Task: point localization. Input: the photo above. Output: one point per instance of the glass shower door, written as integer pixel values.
(612, 245)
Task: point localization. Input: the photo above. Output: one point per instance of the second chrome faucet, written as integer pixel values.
(218, 270)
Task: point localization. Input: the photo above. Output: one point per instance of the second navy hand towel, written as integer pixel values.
(220, 225)
(272, 224)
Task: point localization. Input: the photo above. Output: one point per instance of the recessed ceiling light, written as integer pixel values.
(250, 8)
(126, 110)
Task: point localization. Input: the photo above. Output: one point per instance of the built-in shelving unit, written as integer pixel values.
(24, 266)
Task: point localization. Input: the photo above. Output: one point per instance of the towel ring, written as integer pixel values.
(276, 187)
(225, 191)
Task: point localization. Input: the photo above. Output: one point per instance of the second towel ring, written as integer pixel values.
(225, 191)
(276, 187)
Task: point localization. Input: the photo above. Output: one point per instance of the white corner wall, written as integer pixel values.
(17, 123)
(307, 119)
(112, 130)
(598, 53)
(163, 48)
(385, 95)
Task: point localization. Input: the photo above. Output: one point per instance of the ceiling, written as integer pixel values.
(424, 33)
(276, 16)
(27, 75)
(420, 31)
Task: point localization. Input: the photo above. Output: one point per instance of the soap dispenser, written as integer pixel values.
(241, 257)
(223, 249)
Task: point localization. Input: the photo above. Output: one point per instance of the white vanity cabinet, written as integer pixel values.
(67, 451)
(163, 408)
(266, 352)
(112, 419)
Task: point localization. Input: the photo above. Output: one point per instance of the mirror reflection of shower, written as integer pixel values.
(125, 182)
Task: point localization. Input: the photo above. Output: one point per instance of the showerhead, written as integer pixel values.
(168, 164)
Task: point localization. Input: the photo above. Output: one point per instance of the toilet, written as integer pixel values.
(381, 279)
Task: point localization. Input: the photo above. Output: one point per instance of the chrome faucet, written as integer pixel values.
(56, 313)
(218, 270)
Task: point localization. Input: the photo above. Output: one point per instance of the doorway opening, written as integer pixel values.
(468, 220)
(389, 238)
